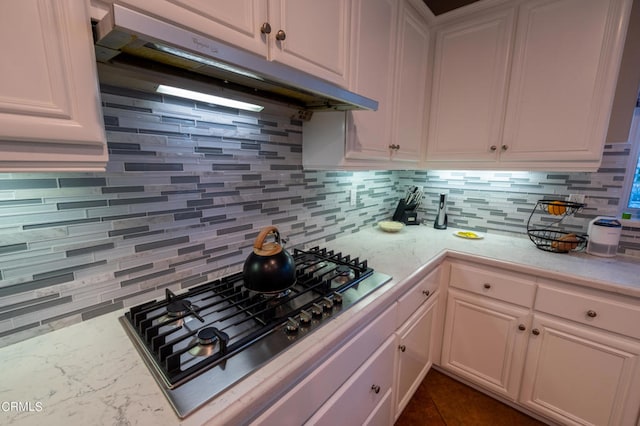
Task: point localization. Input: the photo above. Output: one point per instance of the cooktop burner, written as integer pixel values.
(200, 342)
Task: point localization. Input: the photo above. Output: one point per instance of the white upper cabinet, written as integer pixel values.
(469, 90)
(536, 94)
(389, 63)
(312, 36)
(50, 114)
(315, 36)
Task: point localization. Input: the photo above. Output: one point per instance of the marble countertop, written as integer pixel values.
(90, 373)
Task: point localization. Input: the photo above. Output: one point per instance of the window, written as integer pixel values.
(632, 187)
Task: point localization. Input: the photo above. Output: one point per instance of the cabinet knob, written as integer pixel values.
(504, 147)
(281, 35)
(394, 146)
(265, 28)
(493, 147)
(522, 327)
(487, 286)
(426, 292)
(402, 348)
(535, 332)
(375, 388)
(591, 313)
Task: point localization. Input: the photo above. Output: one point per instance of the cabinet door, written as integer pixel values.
(50, 114)
(363, 393)
(409, 119)
(369, 132)
(316, 36)
(566, 60)
(469, 88)
(485, 341)
(579, 376)
(415, 345)
(236, 22)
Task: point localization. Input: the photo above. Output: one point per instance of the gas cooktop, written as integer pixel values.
(200, 342)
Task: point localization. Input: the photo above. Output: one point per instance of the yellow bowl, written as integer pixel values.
(390, 226)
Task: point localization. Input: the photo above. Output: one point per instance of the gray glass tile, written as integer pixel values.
(81, 204)
(19, 329)
(191, 249)
(234, 229)
(61, 223)
(13, 248)
(133, 230)
(81, 182)
(56, 272)
(22, 202)
(143, 278)
(91, 249)
(35, 307)
(185, 179)
(153, 167)
(101, 309)
(28, 183)
(122, 189)
(133, 270)
(161, 243)
(35, 284)
(186, 216)
(231, 167)
(141, 200)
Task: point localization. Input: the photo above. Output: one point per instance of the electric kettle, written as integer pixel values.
(604, 236)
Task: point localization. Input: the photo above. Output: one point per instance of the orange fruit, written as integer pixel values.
(557, 208)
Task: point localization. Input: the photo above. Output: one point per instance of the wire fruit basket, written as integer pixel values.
(551, 237)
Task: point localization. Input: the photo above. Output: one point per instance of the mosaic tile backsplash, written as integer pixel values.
(189, 186)
(187, 189)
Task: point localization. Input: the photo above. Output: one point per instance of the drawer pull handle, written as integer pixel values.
(591, 313)
(375, 388)
(402, 348)
(426, 292)
(535, 331)
(522, 327)
(487, 286)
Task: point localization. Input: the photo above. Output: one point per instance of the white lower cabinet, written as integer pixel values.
(418, 336)
(365, 397)
(485, 338)
(485, 341)
(415, 351)
(572, 357)
(365, 359)
(583, 360)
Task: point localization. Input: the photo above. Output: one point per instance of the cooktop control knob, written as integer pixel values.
(327, 303)
(337, 298)
(316, 310)
(291, 326)
(305, 318)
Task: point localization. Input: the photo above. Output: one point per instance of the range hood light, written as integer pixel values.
(204, 97)
(202, 60)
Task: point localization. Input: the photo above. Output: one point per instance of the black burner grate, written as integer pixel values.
(233, 317)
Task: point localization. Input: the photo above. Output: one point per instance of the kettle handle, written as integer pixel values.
(269, 249)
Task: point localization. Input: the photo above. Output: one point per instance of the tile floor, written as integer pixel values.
(442, 401)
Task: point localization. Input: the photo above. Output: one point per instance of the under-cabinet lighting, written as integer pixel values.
(202, 60)
(204, 97)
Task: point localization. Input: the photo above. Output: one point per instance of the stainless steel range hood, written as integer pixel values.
(127, 38)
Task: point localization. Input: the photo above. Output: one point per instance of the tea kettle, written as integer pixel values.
(269, 268)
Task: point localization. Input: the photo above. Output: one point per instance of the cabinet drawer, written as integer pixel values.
(590, 309)
(504, 285)
(296, 406)
(417, 295)
(362, 393)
